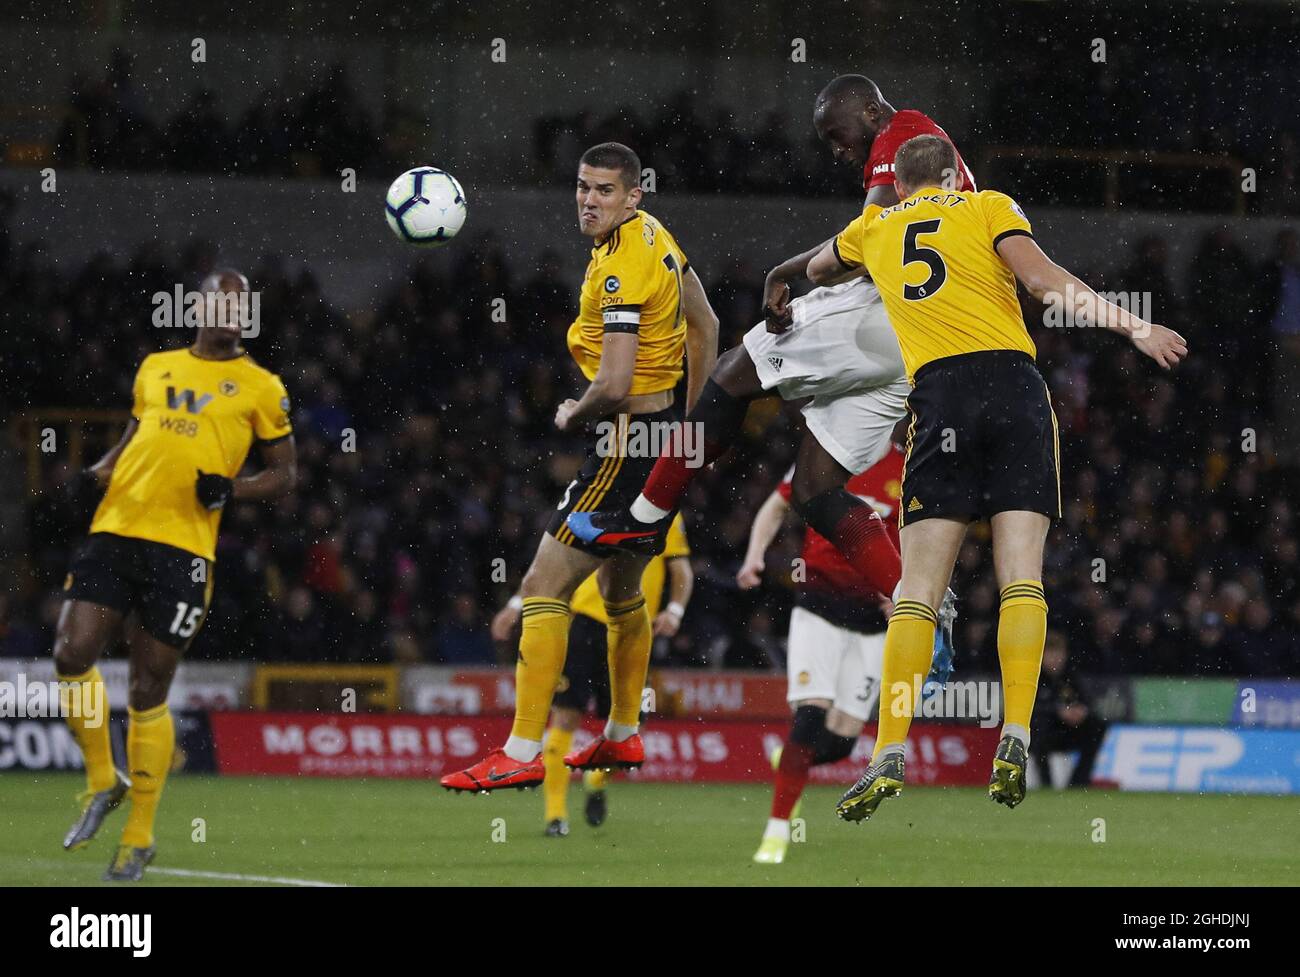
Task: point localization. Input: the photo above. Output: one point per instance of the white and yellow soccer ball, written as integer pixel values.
(425, 207)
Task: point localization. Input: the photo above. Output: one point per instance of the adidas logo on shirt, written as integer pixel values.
(776, 362)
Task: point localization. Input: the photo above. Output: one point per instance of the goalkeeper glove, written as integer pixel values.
(214, 491)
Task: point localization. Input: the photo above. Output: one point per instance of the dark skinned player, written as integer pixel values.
(145, 571)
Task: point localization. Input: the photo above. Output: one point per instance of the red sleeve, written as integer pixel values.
(784, 488)
(902, 127)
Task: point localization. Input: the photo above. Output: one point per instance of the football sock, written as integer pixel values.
(799, 754)
(643, 510)
(909, 646)
(150, 742)
(628, 641)
(720, 417)
(791, 778)
(542, 644)
(595, 780)
(1022, 631)
(858, 532)
(90, 731)
(555, 789)
(618, 732)
(777, 828)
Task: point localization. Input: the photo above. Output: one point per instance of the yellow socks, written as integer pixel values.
(542, 647)
(91, 731)
(628, 639)
(909, 647)
(594, 780)
(555, 789)
(1022, 631)
(150, 742)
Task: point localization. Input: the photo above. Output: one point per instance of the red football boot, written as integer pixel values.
(496, 771)
(603, 754)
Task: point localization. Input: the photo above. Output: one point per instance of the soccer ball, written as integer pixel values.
(425, 207)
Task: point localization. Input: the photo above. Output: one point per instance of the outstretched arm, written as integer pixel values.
(1045, 280)
(767, 524)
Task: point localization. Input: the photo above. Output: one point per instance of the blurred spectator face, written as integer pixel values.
(406, 650)
(1257, 616)
(465, 609)
(1211, 630)
(1055, 653)
(299, 604)
(1230, 599)
(367, 606)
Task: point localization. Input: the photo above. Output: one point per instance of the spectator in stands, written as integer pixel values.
(462, 638)
(1255, 647)
(457, 460)
(1064, 719)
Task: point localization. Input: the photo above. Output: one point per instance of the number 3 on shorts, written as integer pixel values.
(183, 625)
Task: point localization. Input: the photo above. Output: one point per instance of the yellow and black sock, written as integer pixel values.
(150, 743)
(909, 647)
(1022, 631)
(89, 726)
(542, 646)
(555, 789)
(595, 780)
(628, 639)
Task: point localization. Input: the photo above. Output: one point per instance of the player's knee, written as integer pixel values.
(808, 724)
(832, 747)
(74, 653)
(150, 683)
(822, 504)
(808, 493)
(734, 372)
(619, 591)
(539, 584)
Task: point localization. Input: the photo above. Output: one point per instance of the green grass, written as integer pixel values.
(382, 832)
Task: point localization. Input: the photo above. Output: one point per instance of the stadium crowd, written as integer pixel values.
(699, 147)
(429, 464)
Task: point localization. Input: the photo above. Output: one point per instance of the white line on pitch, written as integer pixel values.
(236, 877)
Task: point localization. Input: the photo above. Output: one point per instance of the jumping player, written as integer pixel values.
(982, 440)
(833, 345)
(146, 568)
(641, 306)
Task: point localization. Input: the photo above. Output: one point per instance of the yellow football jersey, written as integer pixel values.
(634, 284)
(588, 602)
(932, 256)
(194, 414)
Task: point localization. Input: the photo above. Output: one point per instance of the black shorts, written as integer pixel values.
(586, 668)
(168, 588)
(623, 449)
(982, 440)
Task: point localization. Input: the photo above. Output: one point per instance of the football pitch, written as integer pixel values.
(281, 831)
